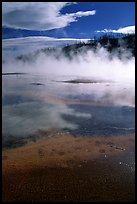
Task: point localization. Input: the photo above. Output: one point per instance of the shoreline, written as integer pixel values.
(66, 168)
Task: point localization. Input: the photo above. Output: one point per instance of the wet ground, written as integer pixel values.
(66, 168)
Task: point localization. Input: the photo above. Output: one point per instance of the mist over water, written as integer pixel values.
(41, 100)
(86, 64)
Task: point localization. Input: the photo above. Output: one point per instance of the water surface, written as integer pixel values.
(35, 102)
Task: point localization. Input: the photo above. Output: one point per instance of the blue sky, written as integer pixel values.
(66, 20)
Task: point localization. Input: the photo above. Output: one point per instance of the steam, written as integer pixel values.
(28, 117)
(28, 108)
(88, 64)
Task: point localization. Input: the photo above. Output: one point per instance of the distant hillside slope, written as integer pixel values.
(113, 45)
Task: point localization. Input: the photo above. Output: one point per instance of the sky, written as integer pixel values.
(81, 20)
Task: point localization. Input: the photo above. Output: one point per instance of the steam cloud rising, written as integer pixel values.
(21, 116)
(87, 64)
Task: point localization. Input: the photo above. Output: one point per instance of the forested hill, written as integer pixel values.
(120, 45)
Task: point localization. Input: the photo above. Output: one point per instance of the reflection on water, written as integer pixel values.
(104, 120)
(34, 102)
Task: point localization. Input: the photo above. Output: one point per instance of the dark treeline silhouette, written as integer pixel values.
(119, 44)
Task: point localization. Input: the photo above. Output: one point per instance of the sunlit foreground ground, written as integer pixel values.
(61, 167)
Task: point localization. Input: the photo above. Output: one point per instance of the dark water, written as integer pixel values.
(104, 120)
(15, 99)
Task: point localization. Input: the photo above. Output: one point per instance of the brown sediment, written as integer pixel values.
(67, 168)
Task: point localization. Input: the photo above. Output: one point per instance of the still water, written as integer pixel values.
(32, 103)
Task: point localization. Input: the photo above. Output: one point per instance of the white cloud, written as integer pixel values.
(125, 30)
(32, 43)
(37, 38)
(38, 15)
(81, 13)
